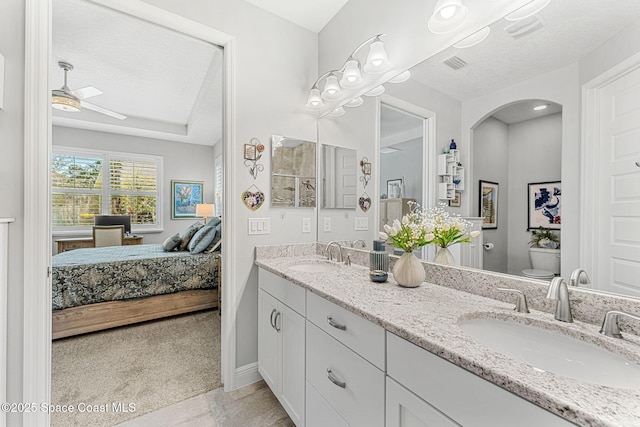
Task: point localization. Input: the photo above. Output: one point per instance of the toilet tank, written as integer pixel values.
(545, 259)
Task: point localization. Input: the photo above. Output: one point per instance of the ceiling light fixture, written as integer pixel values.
(447, 16)
(63, 99)
(527, 10)
(473, 39)
(540, 107)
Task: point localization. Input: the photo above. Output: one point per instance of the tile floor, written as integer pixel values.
(250, 406)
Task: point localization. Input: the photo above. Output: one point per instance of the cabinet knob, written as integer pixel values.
(331, 322)
(334, 380)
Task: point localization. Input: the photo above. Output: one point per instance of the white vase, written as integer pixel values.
(408, 271)
(444, 257)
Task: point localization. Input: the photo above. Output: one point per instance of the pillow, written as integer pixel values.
(187, 234)
(216, 242)
(171, 243)
(202, 239)
(213, 222)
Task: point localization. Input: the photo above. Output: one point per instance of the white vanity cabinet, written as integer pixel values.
(434, 392)
(281, 342)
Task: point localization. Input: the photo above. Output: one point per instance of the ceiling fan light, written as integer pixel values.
(402, 77)
(314, 102)
(527, 10)
(331, 90)
(473, 39)
(355, 102)
(377, 59)
(351, 76)
(65, 102)
(447, 16)
(376, 91)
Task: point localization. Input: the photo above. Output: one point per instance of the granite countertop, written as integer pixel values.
(429, 315)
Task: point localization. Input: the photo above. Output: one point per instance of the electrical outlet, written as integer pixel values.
(362, 223)
(327, 225)
(306, 225)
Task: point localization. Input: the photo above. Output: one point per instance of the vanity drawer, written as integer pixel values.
(361, 401)
(459, 394)
(292, 295)
(360, 335)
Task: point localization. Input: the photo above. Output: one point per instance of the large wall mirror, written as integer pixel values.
(293, 175)
(484, 98)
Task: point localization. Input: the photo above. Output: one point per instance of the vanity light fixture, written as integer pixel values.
(355, 102)
(540, 107)
(377, 60)
(402, 77)
(337, 112)
(314, 102)
(378, 90)
(332, 90)
(351, 77)
(473, 39)
(447, 16)
(527, 10)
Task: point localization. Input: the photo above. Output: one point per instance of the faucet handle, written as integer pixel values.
(521, 302)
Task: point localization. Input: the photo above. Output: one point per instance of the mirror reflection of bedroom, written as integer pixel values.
(136, 182)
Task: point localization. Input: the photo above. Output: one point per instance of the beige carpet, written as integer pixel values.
(149, 365)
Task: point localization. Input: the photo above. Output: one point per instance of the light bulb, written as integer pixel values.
(447, 12)
(314, 102)
(377, 60)
(351, 76)
(332, 89)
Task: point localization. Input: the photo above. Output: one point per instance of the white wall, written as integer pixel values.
(11, 190)
(535, 155)
(491, 163)
(181, 161)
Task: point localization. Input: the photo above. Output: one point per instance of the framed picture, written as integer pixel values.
(394, 188)
(489, 204)
(457, 200)
(544, 205)
(366, 168)
(185, 195)
(250, 152)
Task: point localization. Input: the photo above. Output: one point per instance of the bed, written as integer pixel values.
(101, 288)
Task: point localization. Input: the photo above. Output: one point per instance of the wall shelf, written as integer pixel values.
(448, 173)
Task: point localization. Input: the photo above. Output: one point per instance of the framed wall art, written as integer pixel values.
(489, 204)
(544, 205)
(456, 202)
(394, 188)
(185, 195)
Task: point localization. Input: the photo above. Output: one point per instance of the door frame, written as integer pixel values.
(36, 369)
(589, 174)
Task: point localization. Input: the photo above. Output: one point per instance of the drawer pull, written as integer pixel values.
(334, 380)
(335, 325)
(273, 325)
(275, 321)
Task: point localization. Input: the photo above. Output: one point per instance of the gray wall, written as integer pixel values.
(181, 161)
(491, 163)
(406, 163)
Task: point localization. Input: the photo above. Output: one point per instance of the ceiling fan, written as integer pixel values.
(72, 100)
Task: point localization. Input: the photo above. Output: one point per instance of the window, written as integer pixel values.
(218, 189)
(88, 183)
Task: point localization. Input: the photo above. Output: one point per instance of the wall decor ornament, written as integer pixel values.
(489, 204)
(366, 172)
(253, 153)
(545, 205)
(365, 202)
(185, 195)
(253, 198)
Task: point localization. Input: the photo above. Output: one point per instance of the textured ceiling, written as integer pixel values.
(310, 14)
(169, 85)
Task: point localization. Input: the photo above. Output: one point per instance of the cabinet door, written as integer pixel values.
(405, 409)
(319, 412)
(267, 340)
(291, 346)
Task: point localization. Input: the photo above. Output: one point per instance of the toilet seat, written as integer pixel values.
(538, 274)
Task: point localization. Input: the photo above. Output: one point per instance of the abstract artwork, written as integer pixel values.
(185, 195)
(545, 205)
(489, 204)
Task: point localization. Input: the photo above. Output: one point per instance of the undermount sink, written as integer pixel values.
(315, 266)
(547, 350)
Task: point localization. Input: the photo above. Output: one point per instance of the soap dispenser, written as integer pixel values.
(378, 262)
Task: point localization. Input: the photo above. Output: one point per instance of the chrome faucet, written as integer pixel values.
(575, 280)
(610, 325)
(521, 302)
(559, 291)
(329, 256)
(362, 242)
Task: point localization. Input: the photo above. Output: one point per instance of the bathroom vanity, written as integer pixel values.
(340, 350)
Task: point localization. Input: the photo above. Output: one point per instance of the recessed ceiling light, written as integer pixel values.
(540, 107)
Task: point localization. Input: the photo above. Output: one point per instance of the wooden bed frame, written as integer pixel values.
(106, 315)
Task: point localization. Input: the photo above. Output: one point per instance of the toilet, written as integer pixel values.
(545, 263)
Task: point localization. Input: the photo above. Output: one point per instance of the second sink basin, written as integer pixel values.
(315, 266)
(547, 350)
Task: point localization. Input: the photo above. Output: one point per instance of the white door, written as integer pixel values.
(268, 339)
(619, 177)
(346, 177)
(291, 329)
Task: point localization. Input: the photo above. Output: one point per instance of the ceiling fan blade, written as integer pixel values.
(86, 92)
(101, 110)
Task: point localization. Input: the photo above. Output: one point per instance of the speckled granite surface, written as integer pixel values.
(428, 316)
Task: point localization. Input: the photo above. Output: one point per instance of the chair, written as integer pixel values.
(108, 235)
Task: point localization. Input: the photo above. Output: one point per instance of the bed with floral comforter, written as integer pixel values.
(94, 275)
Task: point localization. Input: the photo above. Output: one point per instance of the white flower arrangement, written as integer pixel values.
(422, 227)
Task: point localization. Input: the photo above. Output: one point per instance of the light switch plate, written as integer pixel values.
(306, 225)
(259, 226)
(362, 223)
(327, 225)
